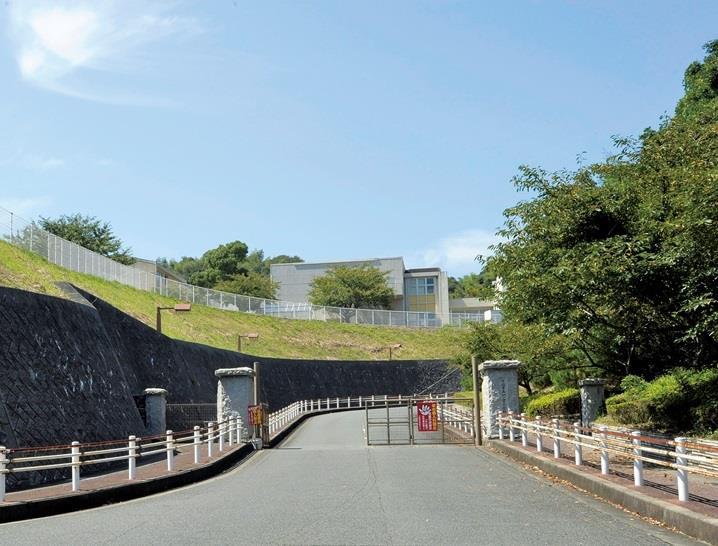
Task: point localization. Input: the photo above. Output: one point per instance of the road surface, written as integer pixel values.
(324, 486)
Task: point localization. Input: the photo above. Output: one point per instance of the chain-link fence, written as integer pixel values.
(56, 250)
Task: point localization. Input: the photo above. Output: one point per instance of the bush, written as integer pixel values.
(563, 402)
(679, 401)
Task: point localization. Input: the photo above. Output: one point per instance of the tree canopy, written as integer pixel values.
(621, 257)
(362, 287)
(474, 285)
(89, 232)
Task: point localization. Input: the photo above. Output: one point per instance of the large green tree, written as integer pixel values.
(362, 287)
(89, 232)
(622, 256)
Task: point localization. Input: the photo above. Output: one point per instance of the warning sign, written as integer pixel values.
(426, 416)
(255, 415)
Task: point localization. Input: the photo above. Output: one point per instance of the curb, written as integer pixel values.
(687, 521)
(119, 493)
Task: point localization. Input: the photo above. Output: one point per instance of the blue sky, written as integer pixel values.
(332, 130)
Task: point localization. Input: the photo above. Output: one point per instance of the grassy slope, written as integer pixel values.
(277, 337)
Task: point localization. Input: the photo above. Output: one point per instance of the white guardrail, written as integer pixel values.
(201, 440)
(29, 236)
(684, 455)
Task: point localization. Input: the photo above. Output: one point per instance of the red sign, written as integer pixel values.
(426, 416)
(255, 415)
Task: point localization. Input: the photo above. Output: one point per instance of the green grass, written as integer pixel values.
(277, 337)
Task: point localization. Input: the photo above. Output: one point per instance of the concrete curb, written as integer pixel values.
(119, 493)
(692, 523)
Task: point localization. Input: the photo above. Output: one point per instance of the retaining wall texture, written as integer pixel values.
(69, 368)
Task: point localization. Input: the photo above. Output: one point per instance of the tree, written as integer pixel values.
(622, 256)
(89, 232)
(474, 285)
(251, 284)
(358, 287)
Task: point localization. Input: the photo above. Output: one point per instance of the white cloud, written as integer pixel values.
(456, 253)
(32, 161)
(72, 48)
(27, 207)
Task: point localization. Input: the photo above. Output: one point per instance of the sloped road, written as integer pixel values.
(324, 486)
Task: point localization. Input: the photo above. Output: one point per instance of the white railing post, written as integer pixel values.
(524, 431)
(131, 461)
(75, 451)
(195, 444)
(556, 439)
(372, 400)
(360, 401)
(539, 439)
(337, 402)
(682, 471)
(577, 451)
(311, 405)
(499, 422)
(221, 430)
(349, 401)
(238, 429)
(604, 449)
(170, 452)
(637, 463)
(511, 426)
(210, 440)
(231, 429)
(3, 469)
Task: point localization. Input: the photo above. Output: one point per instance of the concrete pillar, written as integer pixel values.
(499, 392)
(592, 397)
(156, 411)
(235, 392)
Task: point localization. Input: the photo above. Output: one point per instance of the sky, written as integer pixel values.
(330, 130)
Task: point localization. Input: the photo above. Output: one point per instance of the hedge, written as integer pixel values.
(563, 402)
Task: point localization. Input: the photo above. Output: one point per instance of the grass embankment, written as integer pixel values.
(277, 337)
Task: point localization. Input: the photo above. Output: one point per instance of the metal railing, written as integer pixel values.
(29, 236)
(684, 455)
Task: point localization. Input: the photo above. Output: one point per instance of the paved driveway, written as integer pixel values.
(324, 486)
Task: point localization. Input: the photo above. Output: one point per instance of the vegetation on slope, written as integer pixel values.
(277, 337)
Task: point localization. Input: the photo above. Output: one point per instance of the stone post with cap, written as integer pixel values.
(592, 399)
(235, 392)
(155, 411)
(499, 392)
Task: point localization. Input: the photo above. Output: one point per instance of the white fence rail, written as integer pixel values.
(29, 236)
(684, 455)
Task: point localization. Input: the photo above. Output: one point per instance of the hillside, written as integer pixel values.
(277, 337)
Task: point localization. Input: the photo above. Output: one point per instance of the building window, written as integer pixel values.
(421, 294)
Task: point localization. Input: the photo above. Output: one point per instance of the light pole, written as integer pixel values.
(177, 308)
(246, 336)
(394, 346)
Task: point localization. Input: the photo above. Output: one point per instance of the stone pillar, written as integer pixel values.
(499, 392)
(155, 411)
(235, 391)
(592, 397)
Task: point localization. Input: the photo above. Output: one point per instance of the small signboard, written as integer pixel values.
(426, 416)
(255, 415)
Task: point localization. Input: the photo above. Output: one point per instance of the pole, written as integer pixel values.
(159, 320)
(478, 440)
(257, 399)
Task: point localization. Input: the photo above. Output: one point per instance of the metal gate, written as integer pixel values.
(419, 420)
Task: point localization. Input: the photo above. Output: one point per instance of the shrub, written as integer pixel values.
(679, 401)
(563, 402)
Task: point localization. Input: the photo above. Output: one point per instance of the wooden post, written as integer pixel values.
(477, 408)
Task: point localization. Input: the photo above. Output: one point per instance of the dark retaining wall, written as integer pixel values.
(69, 368)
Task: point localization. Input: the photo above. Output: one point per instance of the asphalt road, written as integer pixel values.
(324, 486)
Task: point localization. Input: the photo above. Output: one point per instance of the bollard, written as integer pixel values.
(577, 451)
(75, 451)
(131, 454)
(500, 424)
(210, 439)
(360, 401)
(556, 439)
(524, 431)
(682, 473)
(511, 426)
(170, 452)
(539, 439)
(196, 443)
(604, 449)
(3, 466)
(372, 400)
(337, 402)
(637, 463)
